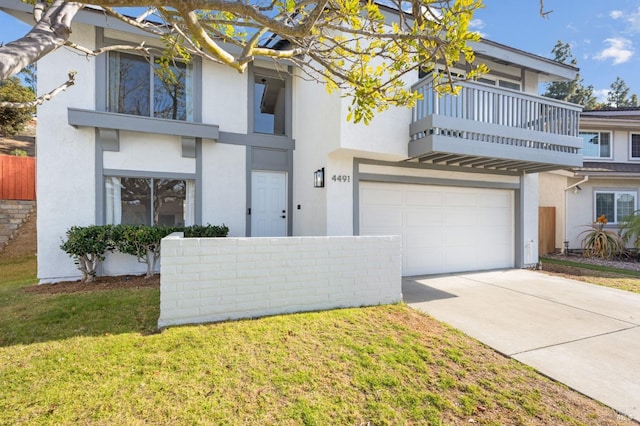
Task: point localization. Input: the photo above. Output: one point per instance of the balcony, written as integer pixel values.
(494, 128)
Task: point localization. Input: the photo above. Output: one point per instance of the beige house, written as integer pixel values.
(607, 184)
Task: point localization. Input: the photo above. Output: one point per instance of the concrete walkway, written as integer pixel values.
(583, 335)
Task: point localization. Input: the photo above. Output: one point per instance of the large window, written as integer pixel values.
(615, 205)
(596, 144)
(635, 146)
(150, 87)
(269, 108)
(149, 201)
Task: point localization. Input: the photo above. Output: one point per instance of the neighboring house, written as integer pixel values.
(607, 183)
(457, 177)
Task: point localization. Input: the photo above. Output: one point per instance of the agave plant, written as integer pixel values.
(598, 242)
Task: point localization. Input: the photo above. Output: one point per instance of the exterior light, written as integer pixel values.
(318, 178)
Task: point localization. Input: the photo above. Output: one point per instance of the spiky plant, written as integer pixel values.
(598, 242)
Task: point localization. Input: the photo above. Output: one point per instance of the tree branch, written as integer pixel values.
(41, 99)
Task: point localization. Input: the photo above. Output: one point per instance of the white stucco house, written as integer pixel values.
(457, 177)
(608, 182)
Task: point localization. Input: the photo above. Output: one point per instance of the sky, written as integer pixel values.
(604, 35)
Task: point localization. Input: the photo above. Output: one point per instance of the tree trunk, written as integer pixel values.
(51, 32)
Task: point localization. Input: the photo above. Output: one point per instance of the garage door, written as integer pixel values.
(444, 229)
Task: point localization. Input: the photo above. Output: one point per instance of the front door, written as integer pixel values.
(268, 204)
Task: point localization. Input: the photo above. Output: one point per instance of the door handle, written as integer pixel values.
(283, 216)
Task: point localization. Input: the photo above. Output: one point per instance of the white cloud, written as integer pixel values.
(476, 24)
(616, 14)
(634, 21)
(620, 50)
(601, 94)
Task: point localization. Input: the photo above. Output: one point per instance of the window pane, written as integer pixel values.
(625, 206)
(605, 205)
(135, 201)
(171, 97)
(591, 146)
(169, 196)
(508, 85)
(605, 145)
(635, 146)
(129, 84)
(269, 105)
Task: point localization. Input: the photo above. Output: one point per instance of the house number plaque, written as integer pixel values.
(341, 178)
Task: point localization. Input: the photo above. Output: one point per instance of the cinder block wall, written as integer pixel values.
(216, 279)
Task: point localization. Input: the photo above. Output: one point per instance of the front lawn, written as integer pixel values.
(94, 358)
(594, 274)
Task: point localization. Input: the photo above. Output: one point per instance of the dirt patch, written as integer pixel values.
(572, 271)
(101, 284)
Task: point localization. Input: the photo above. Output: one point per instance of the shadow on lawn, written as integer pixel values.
(33, 315)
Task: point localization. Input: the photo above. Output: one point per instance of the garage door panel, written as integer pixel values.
(423, 217)
(381, 197)
(460, 199)
(444, 229)
(423, 198)
(423, 238)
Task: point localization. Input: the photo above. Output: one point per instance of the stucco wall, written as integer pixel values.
(65, 169)
(216, 279)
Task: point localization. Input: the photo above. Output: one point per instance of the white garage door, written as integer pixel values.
(443, 229)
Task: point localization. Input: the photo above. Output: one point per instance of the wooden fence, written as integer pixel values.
(17, 178)
(546, 230)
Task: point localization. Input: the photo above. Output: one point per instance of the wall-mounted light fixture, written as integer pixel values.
(318, 178)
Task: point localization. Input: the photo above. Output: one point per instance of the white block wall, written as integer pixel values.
(217, 279)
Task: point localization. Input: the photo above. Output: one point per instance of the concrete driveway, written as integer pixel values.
(583, 335)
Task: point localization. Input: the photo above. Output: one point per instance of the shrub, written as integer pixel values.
(206, 231)
(87, 246)
(141, 241)
(13, 120)
(629, 229)
(601, 243)
(19, 152)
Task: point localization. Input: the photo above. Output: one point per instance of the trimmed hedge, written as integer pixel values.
(87, 245)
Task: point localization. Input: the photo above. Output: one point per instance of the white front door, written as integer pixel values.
(269, 204)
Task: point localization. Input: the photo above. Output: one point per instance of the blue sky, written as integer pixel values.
(604, 35)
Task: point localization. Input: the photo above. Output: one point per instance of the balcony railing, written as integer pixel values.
(484, 121)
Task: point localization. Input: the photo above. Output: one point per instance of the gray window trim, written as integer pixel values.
(286, 76)
(599, 133)
(612, 222)
(102, 80)
(135, 123)
(631, 157)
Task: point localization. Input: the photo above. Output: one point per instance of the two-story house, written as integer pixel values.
(270, 154)
(607, 183)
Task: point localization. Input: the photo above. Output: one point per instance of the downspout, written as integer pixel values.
(566, 210)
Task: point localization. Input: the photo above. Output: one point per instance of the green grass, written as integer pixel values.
(621, 279)
(90, 358)
(600, 268)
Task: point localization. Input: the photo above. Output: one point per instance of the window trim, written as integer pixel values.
(600, 132)
(615, 192)
(631, 157)
(102, 79)
(106, 173)
(285, 75)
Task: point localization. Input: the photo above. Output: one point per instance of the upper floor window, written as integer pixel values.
(269, 104)
(150, 87)
(615, 205)
(635, 146)
(596, 144)
(499, 82)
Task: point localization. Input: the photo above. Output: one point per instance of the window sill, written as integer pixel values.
(134, 123)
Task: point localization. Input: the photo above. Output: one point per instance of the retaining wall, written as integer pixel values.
(216, 279)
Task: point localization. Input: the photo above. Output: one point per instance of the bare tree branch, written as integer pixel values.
(41, 99)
